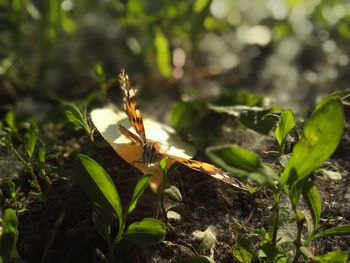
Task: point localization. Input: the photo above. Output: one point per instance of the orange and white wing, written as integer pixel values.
(130, 105)
(211, 170)
(131, 136)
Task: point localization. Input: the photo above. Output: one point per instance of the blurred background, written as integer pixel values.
(292, 51)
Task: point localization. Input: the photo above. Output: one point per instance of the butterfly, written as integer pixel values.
(152, 151)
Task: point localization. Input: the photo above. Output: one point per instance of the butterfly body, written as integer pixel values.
(152, 151)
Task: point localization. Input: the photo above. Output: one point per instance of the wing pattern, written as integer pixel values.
(151, 150)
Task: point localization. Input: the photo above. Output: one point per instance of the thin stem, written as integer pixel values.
(34, 177)
(275, 217)
(162, 196)
(297, 242)
(29, 167)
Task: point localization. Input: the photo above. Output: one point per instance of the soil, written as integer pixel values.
(60, 229)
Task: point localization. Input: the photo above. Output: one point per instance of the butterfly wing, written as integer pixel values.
(211, 170)
(130, 105)
(131, 136)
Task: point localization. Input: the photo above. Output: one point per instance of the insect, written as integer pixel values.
(151, 150)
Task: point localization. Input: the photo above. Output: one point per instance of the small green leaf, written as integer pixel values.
(10, 120)
(285, 125)
(335, 95)
(99, 72)
(77, 117)
(99, 186)
(258, 121)
(196, 259)
(295, 193)
(161, 45)
(41, 152)
(320, 138)
(236, 156)
(273, 254)
(31, 138)
(140, 187)
(241, 162)
(173, 193)
(243, 251)
(147, 232)
(255, 118)
(332, 257)
(162, 164)
(313, 200)
(9, 189)
(9, 235)
(342, 230)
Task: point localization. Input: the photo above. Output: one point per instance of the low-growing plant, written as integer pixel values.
(31, 151)
(78, 117)
(8, 235)
(285, 124)
(172, 192)
(108, 212)
(319, 139)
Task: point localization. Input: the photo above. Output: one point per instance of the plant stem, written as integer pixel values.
(300, 220)
(162, 197)
(275, 212)
(29, 167)
(34, 177)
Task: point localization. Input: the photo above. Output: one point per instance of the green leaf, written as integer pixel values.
(332, 257)
(173, 193)
(78, 118)
(241, 162)
(162, 164)
(147, 232)
(295, 193)
(343, 230)
(243, 250)
(273, 254)
(313, 200)
(30, 138)
(335, 95)
(140, 187)
(10, 120)
(320, 138)
(236, 156)
(254, 118)
(41, 152)
(99, 72)
(257, 120)
(161, 45)
(9, 235)
(99, 186)
(285, 125)
(196, 259)
(9, 189)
